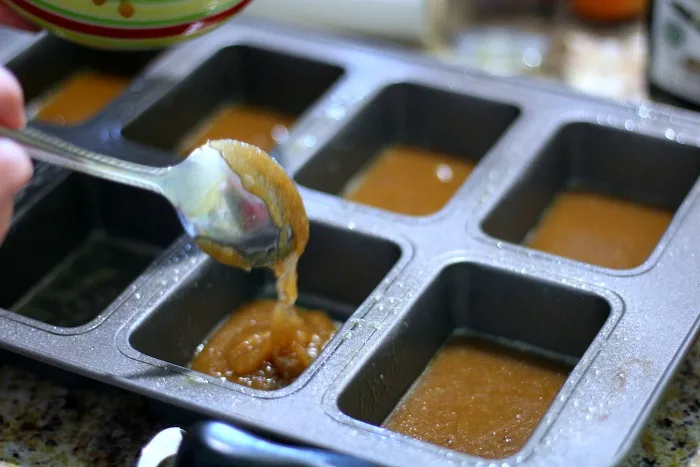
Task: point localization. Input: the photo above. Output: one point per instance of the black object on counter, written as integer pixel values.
(216, 444)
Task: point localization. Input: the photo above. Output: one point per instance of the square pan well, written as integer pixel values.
(105, 233)
(235, 75)
(41, 73)
(337, 272)
(481, 300)
(412, 115)
(650, 171)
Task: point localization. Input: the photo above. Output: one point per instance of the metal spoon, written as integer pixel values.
(208, 196)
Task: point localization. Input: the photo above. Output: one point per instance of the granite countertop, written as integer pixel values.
(44, 423)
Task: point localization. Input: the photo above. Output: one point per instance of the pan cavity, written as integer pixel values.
(79, 247)
(597, 195)
(409, 150)
(477, 361)
(79, 86)
(220, 321)
(244, 93)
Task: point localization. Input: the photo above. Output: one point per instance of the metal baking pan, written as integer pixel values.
(400, 284)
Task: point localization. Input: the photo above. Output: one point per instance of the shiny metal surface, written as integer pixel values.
(394, 280)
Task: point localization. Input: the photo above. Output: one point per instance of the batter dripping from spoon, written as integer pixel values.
(266, 344)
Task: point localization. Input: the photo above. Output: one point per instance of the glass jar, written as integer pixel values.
(499, 36)
(673, 60)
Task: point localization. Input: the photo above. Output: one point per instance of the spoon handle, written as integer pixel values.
(47, 148)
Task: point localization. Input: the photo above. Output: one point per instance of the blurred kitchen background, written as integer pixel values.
(597, 46)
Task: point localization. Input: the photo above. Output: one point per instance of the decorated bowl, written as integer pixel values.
(127, 24)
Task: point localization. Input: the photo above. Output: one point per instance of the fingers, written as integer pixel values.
(15, 169)
(15, 166)
(11, 19)
(5, 217)
(11, 101)
(15, 172)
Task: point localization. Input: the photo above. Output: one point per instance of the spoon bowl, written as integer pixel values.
(220, 213)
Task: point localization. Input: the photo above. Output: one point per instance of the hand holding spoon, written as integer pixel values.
(238, 204)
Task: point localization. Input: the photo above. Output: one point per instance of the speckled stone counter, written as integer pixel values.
(43, 423)
(672, 435)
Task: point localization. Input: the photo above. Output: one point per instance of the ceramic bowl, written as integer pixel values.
(127, 24)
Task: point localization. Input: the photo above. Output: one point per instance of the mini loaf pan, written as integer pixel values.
(99, 280)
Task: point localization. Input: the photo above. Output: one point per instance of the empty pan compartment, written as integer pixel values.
(477, 360)
(337, 272)
(242, 92)
(78, 248)
(66, 84)
(409, 150)
(597, 195)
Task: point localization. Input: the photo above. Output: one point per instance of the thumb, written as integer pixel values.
(11, 100)
(15, 168)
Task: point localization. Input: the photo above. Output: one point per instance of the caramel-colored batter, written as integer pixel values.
(479, 398)
(80, 97)
(260, 127)
(266, 344)
(600, 230)
(409, 180)
(263, 349)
